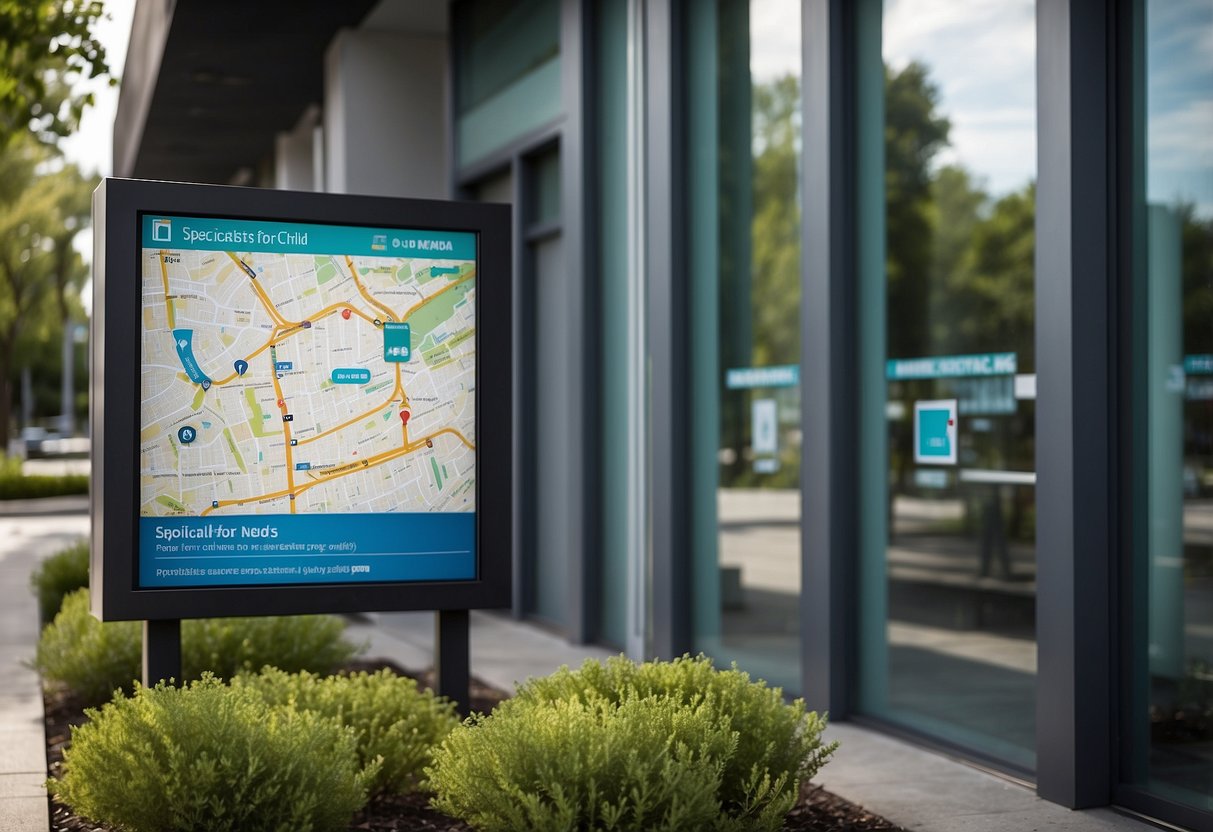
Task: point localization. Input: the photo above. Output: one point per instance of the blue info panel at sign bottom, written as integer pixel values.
(306, 549)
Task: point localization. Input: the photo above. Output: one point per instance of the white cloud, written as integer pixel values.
(982, 56)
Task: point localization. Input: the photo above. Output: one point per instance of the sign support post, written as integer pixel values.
(451, 657)
(161, 651)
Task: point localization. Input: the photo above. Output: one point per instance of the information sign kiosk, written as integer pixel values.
(297, 407)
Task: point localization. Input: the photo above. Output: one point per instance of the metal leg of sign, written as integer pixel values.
(451, 663)
(161, 651)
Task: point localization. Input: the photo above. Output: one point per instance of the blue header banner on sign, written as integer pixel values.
(745, 378)
(952, 366)
(202, 234)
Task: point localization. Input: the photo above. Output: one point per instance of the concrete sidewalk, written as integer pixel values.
(25, 540)
(918, 789)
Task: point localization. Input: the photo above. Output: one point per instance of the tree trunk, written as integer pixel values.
(6, 397)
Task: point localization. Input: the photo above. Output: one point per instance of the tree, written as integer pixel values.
(44, 45)
(39, 215)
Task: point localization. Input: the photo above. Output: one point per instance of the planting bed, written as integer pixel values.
(816, 811)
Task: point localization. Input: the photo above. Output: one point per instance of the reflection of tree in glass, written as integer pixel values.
(914, 134)
(776, 224)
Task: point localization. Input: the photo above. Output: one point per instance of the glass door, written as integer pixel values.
(948, 392)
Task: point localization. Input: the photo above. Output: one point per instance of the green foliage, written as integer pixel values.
(211, 757)
(627, 746)
(227, 646)
(44, 46)
(61, 573)
(642, 764)
(19, 487)
(776, 739)
(94, 659)
(91, 658)
(392, 720)
(41, 210)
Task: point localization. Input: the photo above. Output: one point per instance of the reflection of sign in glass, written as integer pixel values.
(952, 366)
(765, 426)
(764, 441)
(935, 432)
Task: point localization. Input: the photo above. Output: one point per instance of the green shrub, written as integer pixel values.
(564, 745)
(227, 646)
(210, 757)
(94, 659)
(392, 719)
(778, 743)
(61, 573)
(16, 486)
(640, 764)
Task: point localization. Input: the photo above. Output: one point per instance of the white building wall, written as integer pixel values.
(295, 155)
(385, 121)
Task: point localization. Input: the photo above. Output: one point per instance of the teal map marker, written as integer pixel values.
(241, 366)
(397, 345)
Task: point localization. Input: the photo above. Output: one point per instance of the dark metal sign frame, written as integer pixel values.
(118, 205)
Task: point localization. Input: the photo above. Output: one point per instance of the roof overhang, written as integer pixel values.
(209, 85)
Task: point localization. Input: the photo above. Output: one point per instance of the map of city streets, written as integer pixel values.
(296, 401)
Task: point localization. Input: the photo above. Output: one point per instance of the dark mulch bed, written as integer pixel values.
(817, 810)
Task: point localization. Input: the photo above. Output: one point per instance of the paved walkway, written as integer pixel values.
(918, 789)
(24, 540)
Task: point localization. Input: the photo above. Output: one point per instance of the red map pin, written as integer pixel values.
(345, 313)
(281, 403)
(404, 417)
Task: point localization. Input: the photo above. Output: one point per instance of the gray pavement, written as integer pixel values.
(918, 789)
(24, 540)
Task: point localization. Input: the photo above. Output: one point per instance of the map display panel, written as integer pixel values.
(308, 403)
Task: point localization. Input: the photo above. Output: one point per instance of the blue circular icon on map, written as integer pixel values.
(241, 366)
(187, 434)
(206, 384)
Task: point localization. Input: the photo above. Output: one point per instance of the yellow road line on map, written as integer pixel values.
(168, 304)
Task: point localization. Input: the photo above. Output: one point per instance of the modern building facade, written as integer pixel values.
(866, 344)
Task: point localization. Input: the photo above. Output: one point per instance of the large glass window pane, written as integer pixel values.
(949, 558)
(744, 205)
(1171, 698)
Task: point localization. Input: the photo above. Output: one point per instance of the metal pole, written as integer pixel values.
(161, 651)
(451, 657)
(67, 411)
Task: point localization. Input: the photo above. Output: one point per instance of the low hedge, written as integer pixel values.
(392, 719)
(94, 659)
(622, 746)
(208, 756)
(57, 576)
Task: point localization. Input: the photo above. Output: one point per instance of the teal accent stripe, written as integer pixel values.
(746, 378)
(528, 103)
(952, 366)
(203, 234)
